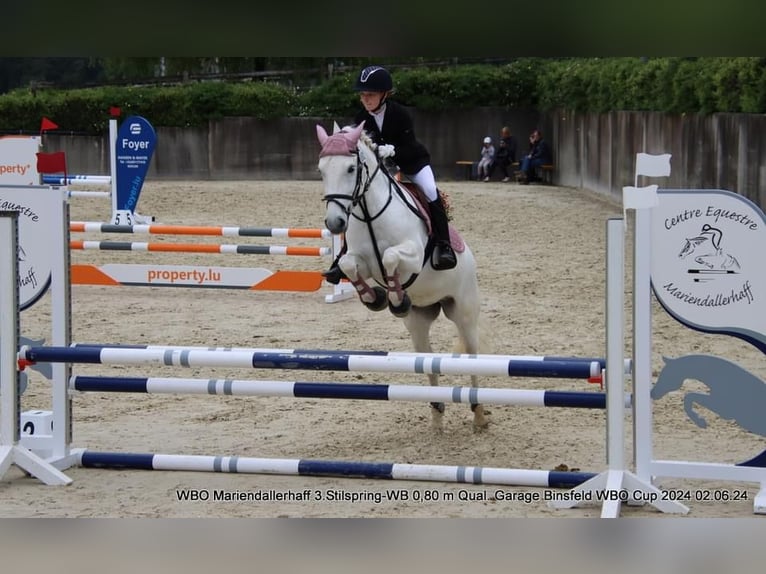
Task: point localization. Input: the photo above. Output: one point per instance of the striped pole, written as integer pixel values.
(601, 361)
(333, 390)
(70, 179)
(335, 468)
(226, 231)
(200, 248)
(82, 193)
(313, 361)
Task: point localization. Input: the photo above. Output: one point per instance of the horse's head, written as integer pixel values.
(671, 378)
(341, 170)
(691, 245)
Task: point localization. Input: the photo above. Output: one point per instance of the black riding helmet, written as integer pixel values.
(374, 79)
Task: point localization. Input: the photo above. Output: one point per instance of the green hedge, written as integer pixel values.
(672, 85)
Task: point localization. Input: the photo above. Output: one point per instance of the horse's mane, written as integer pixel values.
(366, 142)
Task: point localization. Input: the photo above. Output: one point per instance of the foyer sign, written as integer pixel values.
(134, 148)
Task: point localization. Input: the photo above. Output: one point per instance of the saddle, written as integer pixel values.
(421, 201)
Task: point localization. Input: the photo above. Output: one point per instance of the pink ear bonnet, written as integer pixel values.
(340, 143)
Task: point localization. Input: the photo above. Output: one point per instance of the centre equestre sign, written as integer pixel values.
(36, 218)
(708, 267)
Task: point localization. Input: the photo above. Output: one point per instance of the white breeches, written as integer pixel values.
(425, 179)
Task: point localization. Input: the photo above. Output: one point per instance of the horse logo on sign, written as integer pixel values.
(706, 251)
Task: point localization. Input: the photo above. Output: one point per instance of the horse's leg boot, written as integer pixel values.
(443, 256)
(334, 274)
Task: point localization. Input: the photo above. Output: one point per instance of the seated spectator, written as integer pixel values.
(539, 154)
(487, 157)
(505, 154)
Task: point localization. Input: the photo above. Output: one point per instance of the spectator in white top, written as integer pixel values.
(487, 158)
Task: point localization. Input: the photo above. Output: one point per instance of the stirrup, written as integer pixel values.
(333, 275)
(443, 257)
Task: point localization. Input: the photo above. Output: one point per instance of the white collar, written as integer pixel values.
(378, 115)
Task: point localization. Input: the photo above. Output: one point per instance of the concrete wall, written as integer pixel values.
(247, 148)
(592, 151)
(720, 151)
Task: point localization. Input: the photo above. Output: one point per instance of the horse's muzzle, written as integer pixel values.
(336, 224)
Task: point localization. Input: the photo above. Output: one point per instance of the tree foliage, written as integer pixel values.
(672, 85)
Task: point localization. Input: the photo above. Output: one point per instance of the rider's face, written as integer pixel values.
(370, 100)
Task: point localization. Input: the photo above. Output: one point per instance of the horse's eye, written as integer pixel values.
(351, 169)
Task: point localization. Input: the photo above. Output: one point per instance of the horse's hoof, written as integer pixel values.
(437, 408)
(480, 420)
(437, 417)
(381, 300)
(403, 309)
(480, 426)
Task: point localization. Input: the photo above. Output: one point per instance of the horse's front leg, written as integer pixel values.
(703, 260)
(400, 262)
(689, 401)
(357, 271)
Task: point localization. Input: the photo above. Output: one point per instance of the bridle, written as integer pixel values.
(357, 196)
(358, 199)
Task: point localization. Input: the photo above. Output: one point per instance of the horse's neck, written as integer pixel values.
(379, 195)
(385, 209)
(688, 368)
(697, 367)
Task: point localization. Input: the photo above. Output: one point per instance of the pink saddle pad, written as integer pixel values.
(455, 239)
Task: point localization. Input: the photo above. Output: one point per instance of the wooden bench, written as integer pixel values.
(545, 172)
(465, 168)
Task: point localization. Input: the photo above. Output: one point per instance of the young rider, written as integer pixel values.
(388, 122)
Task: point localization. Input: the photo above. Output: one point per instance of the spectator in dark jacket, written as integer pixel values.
(539, 154)
(505, 155)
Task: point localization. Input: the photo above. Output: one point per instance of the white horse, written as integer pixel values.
(707, 251)
(388, 249)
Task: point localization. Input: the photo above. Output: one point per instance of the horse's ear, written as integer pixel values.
(355, 133)
(321, 134)
(335, 127)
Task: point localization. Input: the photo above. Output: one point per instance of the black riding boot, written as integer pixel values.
(334, 274)
(443, 256)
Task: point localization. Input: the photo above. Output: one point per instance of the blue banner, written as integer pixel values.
(135, 144)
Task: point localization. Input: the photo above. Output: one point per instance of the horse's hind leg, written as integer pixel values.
(418, 323)
(466, 319)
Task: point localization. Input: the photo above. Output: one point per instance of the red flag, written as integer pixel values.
(46, 124)
(51, 162)
(114, 111)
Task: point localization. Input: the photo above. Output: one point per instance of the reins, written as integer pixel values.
(358, 199)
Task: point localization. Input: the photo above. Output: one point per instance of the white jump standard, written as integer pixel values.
(10, 451)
